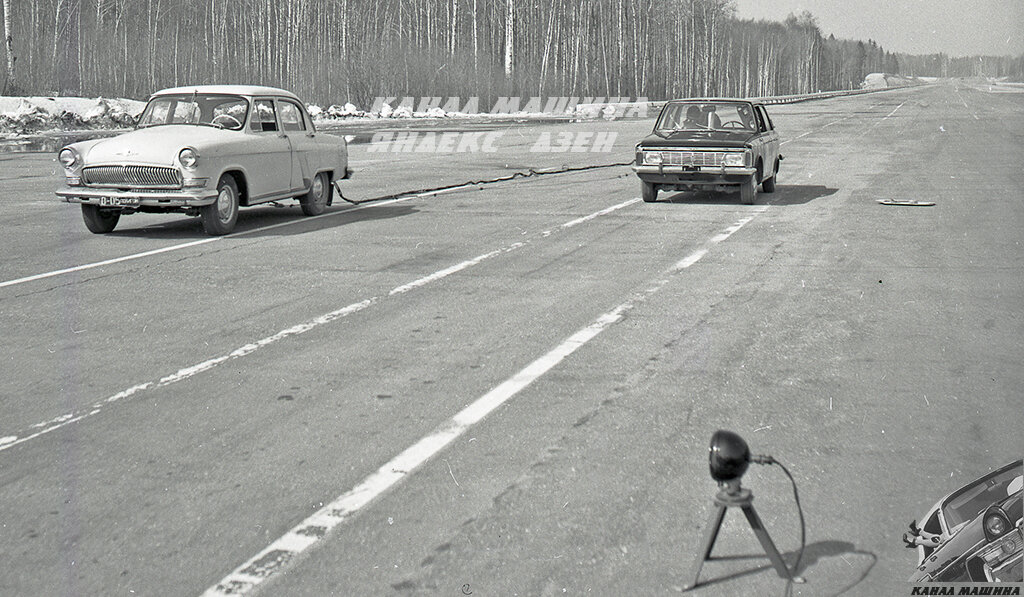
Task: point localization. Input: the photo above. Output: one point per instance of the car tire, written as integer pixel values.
(219, 218)
(315, 201)
(768, 186)
(748, 190)
(99, 221)
(648, 192)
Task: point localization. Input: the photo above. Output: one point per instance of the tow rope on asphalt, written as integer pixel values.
(520, 174)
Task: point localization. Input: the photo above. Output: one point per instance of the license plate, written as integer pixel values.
(118, 201)
(691, 168)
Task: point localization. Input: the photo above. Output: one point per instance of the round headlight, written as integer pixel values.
(68, 158)
(188, 157)
(995, 525)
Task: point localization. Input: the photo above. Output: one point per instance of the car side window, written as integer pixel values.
(264, 118)
(933, 526)
(768, 119)
(760, 119)
(291, 116)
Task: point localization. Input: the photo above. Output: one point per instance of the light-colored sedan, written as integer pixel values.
(205, 151)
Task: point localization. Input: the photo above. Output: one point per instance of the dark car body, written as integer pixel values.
(981, 532)
(709, 144)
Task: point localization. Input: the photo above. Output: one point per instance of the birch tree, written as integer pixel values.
(9, 45)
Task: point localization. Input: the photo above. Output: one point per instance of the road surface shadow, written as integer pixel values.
(255, 221)
(333, 218)
(785, 194)
(812, 555)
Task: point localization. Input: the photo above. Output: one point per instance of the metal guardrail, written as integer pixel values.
(655, 107)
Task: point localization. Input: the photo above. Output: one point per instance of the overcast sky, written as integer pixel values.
(956, 27)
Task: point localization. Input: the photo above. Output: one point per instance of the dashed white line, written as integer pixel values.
(278, 556)
(42, 428)
(836, 121)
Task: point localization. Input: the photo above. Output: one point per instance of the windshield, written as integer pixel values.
(704, 116)
(965, 505)
(222, 111)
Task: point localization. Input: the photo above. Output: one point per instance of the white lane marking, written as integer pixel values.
(194, 243)
(86, 266)
(42, 428)
(893, 112)
(598, 214)
(278, 556)
(471, 262)
(825, 126)
(451, 270)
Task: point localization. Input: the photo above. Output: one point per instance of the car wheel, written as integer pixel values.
(648, 192)
(219, 217)
(315, 201)
(99, 221)
(748, 190)
(768, 186)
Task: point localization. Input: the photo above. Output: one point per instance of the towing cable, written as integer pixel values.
(530, 172)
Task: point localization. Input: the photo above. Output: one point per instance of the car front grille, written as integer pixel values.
(692, 158)
(132, 176)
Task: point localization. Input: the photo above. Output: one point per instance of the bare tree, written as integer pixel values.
(67, 47)
(9, 43)
(510, 34)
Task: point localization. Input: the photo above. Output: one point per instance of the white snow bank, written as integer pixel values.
(29, 114)
(886, 80)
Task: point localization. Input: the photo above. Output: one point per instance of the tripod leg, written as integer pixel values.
(766, 542)
(710, 535)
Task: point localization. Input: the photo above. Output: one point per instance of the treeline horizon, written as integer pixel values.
(338, 51)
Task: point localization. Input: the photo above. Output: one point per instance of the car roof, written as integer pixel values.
(737, 100)
(229, 90)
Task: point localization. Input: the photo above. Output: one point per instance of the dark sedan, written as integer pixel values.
(709, 144)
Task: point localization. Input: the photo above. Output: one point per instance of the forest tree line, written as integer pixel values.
(336, 51)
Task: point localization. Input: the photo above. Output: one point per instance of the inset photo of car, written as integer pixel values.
(974, 534)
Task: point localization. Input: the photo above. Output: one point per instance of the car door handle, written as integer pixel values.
(310, 135)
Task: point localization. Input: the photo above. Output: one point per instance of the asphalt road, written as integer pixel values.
(509, 389)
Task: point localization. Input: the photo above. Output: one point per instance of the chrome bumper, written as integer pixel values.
(138, 198)
(674, 170)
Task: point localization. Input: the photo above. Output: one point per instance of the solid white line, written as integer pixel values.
(280, 554)
(42, 428)
(86, 266)
(194, 243)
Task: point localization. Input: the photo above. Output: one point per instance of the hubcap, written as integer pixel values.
(225, 204)
(318, 189)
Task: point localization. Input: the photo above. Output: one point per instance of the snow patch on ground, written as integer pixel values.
(28, 115)
(21, 115)
(886, 80)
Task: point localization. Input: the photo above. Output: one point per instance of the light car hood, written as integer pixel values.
(158, 145)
